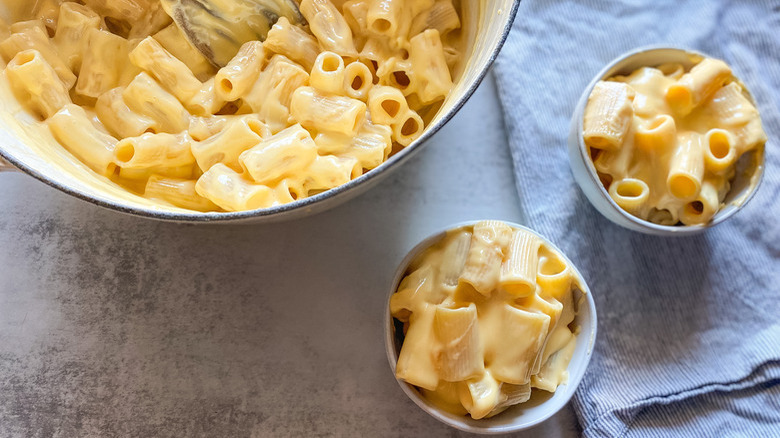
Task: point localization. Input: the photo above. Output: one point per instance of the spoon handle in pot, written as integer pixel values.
(218, 28)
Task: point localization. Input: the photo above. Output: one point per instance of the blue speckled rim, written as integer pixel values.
(302, 204)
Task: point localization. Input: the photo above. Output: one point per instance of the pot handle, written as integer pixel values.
(5, 166)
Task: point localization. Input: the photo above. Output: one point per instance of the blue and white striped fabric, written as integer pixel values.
(689, 328)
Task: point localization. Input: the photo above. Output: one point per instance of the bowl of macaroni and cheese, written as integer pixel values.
(109, 102)
(489, 327)
(667, 141)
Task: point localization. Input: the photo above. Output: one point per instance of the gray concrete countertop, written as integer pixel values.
(112, 325)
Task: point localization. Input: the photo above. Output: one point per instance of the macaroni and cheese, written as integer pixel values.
(486, 316)
(308, 109)
(665, 142)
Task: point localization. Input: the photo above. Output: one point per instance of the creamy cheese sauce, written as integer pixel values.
(487, 316)
(240, 191)
(667, 154)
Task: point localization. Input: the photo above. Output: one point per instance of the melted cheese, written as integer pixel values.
(480, 352)
(177, 88)
(683, 135)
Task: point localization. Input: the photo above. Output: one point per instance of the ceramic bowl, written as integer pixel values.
(542, 405)
(750, 166)
(22, 149)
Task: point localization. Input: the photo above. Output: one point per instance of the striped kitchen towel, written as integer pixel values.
(689, 328)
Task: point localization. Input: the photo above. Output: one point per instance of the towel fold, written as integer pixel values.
(689, 327)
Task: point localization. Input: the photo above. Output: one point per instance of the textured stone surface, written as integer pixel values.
(112, 325)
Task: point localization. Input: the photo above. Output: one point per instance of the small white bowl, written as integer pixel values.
(744, 185)
(542, 405)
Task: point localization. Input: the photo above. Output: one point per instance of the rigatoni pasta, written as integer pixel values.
(666, 142)
(37, 82)
(73, 25)
(312, 107)
(480, 351)
(73, 128)
(102, 65)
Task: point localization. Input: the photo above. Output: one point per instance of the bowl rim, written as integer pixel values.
(300, 204)
(575, 378)
(641, 224)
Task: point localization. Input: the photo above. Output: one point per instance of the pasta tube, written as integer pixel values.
(31, 35)
(512, 395)
(283, 154)
(687, 167)
(72, 128)
(201, 128)
(409, 128)
(376, 51)
(332, 113)
(327, 172)
(371, 146)
(231, 191)
(554, 276)
(415, 287)
(236, 78)
(387, 105)
(442, 16)
(327, 75)
(608, 115)
(454, 258)
(145, 96)
(730, 109)
(357, 80)
(141, 174)
(386, 17)
(288, 190)
(118, 118)
(551, 375)
(154, 150)
(356, 13)
(206, 101)
(179, 192)
(694, 87)
(171, 73)
(481, 396)
(457, 331)
(36, 83)
(523, 333)
(104, 53)
(48, 12)
(155, 20)
(703, 207)
(74, 22)
(483, 265)
(292, 42)
(550, 307)
(332, 143)
(226, 146)
(629, 193)
(329, 26)
(128, 10)
(659, 135)
(720, 151)
(518, 271)
(397, 73)
(416, 363)
(271, 96)
(429, 66)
